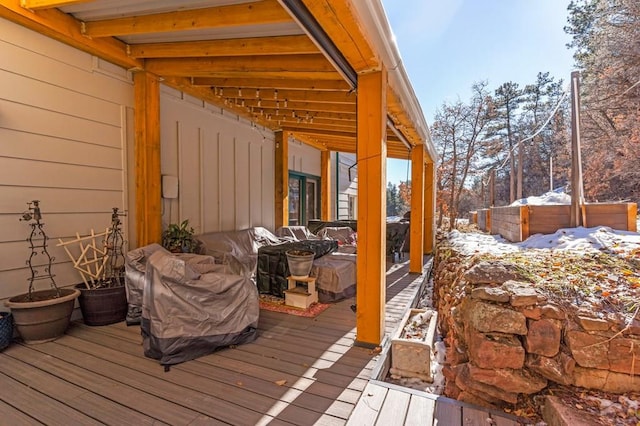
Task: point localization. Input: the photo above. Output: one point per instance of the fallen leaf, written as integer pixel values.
(280, 382)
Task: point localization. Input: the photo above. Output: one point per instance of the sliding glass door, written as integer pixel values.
(304, 198)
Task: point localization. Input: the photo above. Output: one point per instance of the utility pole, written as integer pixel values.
(576, 160)
(492, 188)
(520, 167)
(550, 173)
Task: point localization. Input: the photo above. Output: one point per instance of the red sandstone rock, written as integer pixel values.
(522, 294)
(553, 312)
(495, 350)
(543, 337)
(624, 356)
(532, 312)
(516, 381)
(589, 350)
(491, 294)
(486, 392)
(593, 324)
(558, 369)
(487, 317)
(591, 378)
(493, 273)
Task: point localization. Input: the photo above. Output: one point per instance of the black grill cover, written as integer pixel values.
(273, 269)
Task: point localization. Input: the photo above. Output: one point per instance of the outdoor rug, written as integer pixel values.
(276, 304)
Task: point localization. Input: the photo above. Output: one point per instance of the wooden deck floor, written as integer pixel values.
(299, 371)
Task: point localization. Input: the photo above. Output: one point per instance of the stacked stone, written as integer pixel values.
(505, 338)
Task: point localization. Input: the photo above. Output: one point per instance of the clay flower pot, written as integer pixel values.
(44, 317)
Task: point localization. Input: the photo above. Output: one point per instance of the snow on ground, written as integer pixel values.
(597, 238)
(557, 196)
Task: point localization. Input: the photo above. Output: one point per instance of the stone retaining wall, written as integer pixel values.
(505, 338)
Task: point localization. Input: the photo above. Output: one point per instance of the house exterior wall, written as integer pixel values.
(65, 117)
(224, 166)
(345, 185)
(304, 158)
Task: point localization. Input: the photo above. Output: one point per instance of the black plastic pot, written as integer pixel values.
(102, 306)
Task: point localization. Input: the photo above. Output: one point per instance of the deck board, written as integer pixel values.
(366, 412)
(298, 371)
(420, 411)
(394, 409)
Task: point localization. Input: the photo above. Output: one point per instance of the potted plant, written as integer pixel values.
(179, 238)
(99, 258)
(41, 315)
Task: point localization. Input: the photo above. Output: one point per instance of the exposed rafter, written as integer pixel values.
(48, 4)
(305, 65)
(255, 13)
(283, 45)
(65, 28)
(273, 83)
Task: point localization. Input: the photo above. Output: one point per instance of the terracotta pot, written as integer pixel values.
(46, 317)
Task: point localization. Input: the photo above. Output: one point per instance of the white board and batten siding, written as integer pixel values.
(304, 158)
(64, 120)
(224, 166)
(345, 178)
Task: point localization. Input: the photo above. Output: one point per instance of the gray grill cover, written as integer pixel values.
(189, 310)
(237, 249)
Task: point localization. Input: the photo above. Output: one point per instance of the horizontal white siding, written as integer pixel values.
(63, 127)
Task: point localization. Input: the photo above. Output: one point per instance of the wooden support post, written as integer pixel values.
(429, 207)
(282, 179)
(632, 215)
(416, 225)
(325, 185)
(147, 158)
(372, 207)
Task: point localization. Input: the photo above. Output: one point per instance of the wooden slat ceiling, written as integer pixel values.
(250, 57)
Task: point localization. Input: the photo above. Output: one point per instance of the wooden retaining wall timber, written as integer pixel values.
(512, 222)
(517, 223)
(484, 220)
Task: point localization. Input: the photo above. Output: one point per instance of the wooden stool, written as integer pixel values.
(298, 296)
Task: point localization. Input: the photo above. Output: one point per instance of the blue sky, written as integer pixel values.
(447, 45)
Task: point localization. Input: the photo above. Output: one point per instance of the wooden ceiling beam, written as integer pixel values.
(326, 134)
(308, 140)
(286, 96)
(254, 13)
(283, 45)
(273, 83)
(66, 29)
(279, 75)
(338, 20)
(318, 127)
(48, 4)
(299, 107)
(192, 67)
(305, 116)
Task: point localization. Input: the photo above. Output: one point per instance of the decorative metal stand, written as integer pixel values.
(38, 244)
(115, 250)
